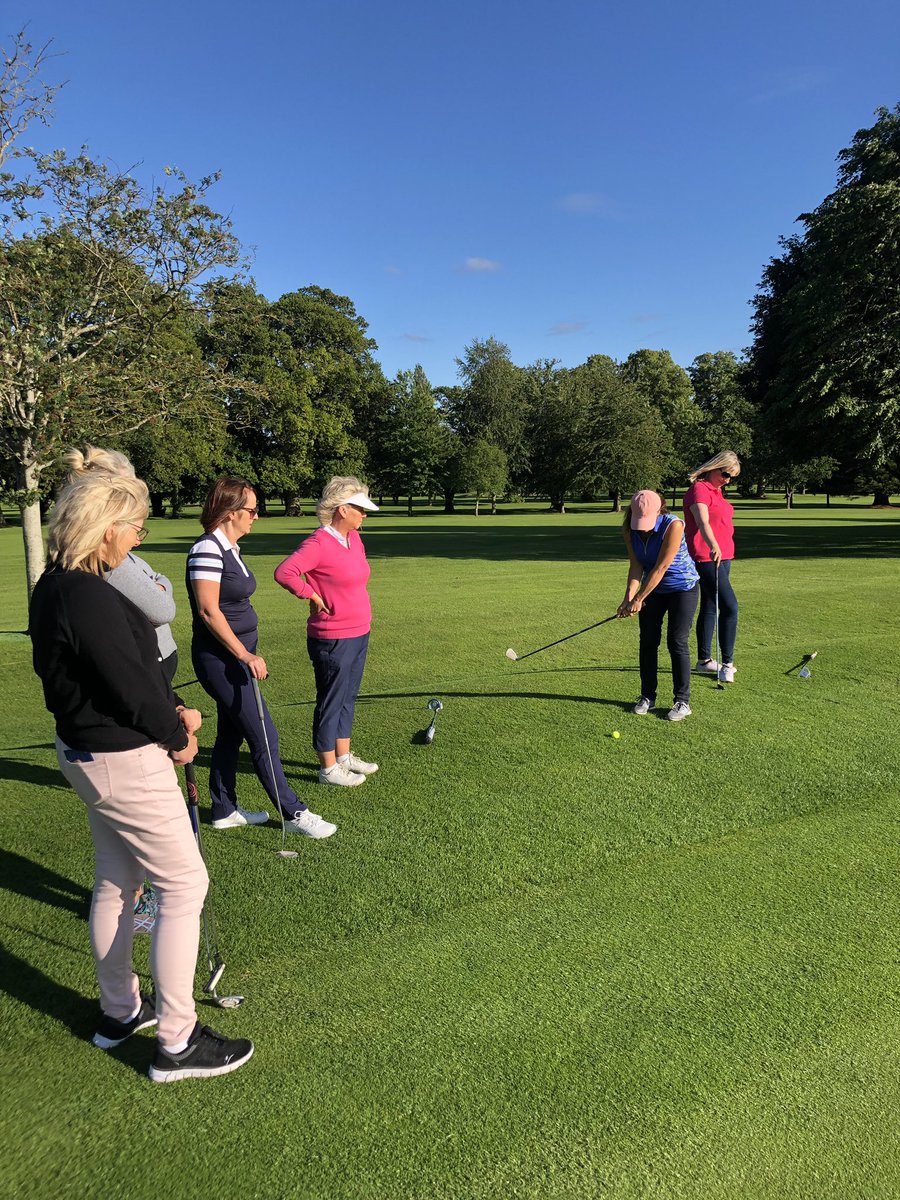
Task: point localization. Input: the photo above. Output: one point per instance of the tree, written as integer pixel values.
(719, 382)
(632, 447)
(826, 351)
(561, 414)
(405, 443)
(492, 407)
(92, 267)
(482, 470)
(669, 389)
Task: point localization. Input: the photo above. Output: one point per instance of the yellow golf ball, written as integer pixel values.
(616, 733)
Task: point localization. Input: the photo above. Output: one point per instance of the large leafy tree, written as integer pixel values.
(405, 439)
(491, 406)
(728, 416)
(669, 389)
(93, 267)
(628, 437)
(562, 458)
(825, 359)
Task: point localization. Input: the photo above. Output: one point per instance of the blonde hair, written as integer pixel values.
(93, 458)
(726, 460)
(336, 492)
(84, 510)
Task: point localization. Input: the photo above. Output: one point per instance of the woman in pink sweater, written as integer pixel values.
(329, 569)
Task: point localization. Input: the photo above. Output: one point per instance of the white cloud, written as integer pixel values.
(476, 265)
(392, 270)
(564, 327)
(789, 83)
(414, 337)
(588, 204)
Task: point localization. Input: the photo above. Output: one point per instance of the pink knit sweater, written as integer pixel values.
(339, 574)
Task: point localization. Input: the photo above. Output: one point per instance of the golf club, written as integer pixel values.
(511, 654)
(805, 672)
(257, 695)
(803, 664)
(436, 707)
(719, 683)
(214, 959)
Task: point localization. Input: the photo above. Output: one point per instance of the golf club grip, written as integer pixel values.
(257, 696)
(190, 778)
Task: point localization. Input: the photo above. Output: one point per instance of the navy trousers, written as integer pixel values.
(681, 607)
(228, 682)
(338, 665)
(728, 611)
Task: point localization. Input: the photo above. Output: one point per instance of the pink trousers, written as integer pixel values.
(141, 829)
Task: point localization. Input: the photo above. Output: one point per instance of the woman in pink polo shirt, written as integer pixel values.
(329, 569)
(709, 529)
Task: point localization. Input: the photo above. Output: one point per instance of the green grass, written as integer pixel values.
(534, 961)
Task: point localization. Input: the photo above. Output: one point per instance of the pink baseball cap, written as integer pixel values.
(645, 508)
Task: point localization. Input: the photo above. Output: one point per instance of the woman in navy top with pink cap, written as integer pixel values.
(662, 579)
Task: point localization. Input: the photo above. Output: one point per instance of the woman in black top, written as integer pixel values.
(120, 731)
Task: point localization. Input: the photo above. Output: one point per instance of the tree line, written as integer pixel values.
(129, 319)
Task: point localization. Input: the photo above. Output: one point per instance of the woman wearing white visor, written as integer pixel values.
(329, 569)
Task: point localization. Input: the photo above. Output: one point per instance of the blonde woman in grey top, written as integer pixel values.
(150, 591)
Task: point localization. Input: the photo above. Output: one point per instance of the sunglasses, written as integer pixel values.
(725, 475)
(254, 512)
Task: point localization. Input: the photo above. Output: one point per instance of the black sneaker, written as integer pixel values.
(207, 1054)
(112, 1032)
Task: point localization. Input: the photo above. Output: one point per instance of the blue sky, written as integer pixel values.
(571, 178)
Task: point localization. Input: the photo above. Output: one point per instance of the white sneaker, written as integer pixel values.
(310, 824)
(706, 666)
(359, 767)
(678, 711)
(727, 672)
(340, 776)
(642, 707)
(240, 816)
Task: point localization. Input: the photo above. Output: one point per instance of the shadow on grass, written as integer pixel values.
(801, 533)
(26, 878)
(23, 771)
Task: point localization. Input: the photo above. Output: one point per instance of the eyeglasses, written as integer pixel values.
(140, 530)
(254, 512)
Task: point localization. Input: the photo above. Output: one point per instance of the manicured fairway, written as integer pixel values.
(535, 961)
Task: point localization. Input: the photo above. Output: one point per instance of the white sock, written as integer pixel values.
(343, 758)
(134, 1014)
(177, 1049)
(328, 770)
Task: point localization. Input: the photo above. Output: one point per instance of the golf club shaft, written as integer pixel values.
(210, 933)
(257, 695)
(719, 683)
(568, 637)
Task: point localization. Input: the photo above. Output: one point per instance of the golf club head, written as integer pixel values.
(511, 654)
(285, 853)
(805, 673)
(218, 972)
(228, 1001)
(435, 706)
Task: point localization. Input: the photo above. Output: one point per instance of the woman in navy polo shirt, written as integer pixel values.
(224, 655)
(662, 579)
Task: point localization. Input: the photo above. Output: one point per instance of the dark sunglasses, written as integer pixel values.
(254, 512)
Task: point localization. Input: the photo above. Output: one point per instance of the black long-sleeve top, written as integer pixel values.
(98, 660)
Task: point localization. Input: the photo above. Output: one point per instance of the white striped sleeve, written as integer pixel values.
(205, 561)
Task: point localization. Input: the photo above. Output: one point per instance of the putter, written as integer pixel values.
(214, 959)
(511, 654)
(257, 695)
(436, 707)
